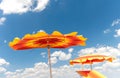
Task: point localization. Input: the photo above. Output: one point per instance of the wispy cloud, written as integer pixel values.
(41, 5)
(5, 41)
(114, 28)
(43, 54)
(115, 22)
(106, 31)
(2, 20)
(22, 6)
(41, 31)
(38, 31)
(117, 33)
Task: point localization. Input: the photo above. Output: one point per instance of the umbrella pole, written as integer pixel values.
(82, 67)
(49, 62)
(91, 66)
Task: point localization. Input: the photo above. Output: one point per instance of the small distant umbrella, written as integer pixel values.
(90, 59)
(44, 40)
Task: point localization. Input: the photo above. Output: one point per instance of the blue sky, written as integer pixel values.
(97, 20)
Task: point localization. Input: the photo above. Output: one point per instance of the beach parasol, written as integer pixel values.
(90, 59)
(44, 40)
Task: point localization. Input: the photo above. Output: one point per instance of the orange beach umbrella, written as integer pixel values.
(44, 40)
(90, 59)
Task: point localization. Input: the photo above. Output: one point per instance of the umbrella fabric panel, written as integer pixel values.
(43, 40)
(89, 59)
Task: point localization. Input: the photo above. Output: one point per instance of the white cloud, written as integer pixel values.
(2, 20)
(65, 72)
(70, 50)
(41, 5)
(105, 50)
(38, 31)
(110, 66)
(117, 33)
(41, 70)
(118, 46)
(3, 62)
(106, 31)
(87, 51)
(5, 41)
(2, 70)
(114, 65)
(43, 54)
(115, 22)
(41, 31)
(22, 6)
(64, 56)
(54, 60)
(15, 6)
(61, 55)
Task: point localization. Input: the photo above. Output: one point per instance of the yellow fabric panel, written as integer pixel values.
(81, 37)
(16, 40)
(95, 74)
(57, 33)
(71, 34)
(27, 36)
(40, 34)
(90, 74)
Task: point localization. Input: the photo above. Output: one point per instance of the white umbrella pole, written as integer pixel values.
(82, 67)
(49, 62)
(91, 65)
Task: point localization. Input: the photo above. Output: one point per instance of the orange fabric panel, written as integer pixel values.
(90, 59)
(90, 74)
(43, 40)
